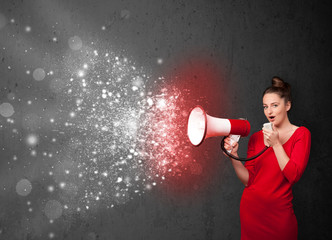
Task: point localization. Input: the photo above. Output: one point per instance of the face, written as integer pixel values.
(275, 108)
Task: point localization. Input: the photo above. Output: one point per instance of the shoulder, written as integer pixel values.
(255, 136)
(303, 131)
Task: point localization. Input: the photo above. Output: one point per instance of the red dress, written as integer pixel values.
(266, 210)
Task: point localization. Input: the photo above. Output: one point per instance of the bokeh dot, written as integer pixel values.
(53, 209)
(32, 140)
(39, 74)
(75, 43)
(23, 187)
(6, 110)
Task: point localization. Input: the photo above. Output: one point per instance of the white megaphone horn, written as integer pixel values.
(202, 126)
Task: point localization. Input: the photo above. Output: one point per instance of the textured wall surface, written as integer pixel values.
(63, 176)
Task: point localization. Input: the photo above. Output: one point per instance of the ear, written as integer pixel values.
(288, 105)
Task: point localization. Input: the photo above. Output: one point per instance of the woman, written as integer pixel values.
(266, 210)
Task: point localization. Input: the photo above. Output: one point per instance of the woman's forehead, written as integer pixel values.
(269, 98)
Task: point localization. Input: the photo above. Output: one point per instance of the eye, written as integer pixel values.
(275, 105)
(264, 107)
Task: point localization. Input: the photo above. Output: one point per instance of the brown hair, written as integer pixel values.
(283, 89)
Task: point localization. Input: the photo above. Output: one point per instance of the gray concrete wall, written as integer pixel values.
(242, 44)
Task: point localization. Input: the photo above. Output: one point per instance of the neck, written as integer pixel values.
(285, 125)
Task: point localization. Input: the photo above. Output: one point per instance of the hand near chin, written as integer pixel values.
(271, 137)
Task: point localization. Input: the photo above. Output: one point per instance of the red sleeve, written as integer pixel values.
(250, 165)
(299, 156)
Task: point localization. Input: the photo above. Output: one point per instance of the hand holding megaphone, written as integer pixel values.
(231, 144)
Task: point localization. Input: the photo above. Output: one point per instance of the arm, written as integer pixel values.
(281, 155)
(240, 170)
(294, 165)
(299, 157)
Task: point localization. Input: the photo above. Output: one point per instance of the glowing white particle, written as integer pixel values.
(119, 180)
(62, 185)
(67, 171)
(150, 102)
(28, 29)
(161, 104)
(134, 88)
(52, 120)
(72, 114)
(105, 174)
(103, 28)
(79, 101)
(50, 188)
(160, 61)
(85, 66)
(32, 140)
(80, 73)
(51, 235)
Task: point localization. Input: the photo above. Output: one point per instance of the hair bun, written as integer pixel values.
(278, 82)
(283, 89)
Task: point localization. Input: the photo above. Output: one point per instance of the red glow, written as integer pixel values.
(182, 168)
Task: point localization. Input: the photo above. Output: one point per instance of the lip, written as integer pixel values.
(272, 118)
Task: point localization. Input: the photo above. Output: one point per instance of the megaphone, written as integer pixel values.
(202, 126)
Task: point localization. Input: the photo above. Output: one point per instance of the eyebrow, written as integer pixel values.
(271, 103)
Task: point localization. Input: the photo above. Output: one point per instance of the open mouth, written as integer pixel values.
(271, 118)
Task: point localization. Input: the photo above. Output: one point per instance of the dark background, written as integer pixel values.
(247, 41)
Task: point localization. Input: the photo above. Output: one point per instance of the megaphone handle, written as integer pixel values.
(233, 138)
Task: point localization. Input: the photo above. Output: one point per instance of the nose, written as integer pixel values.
(269, 110)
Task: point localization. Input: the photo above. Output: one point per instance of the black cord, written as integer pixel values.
(237, 158)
